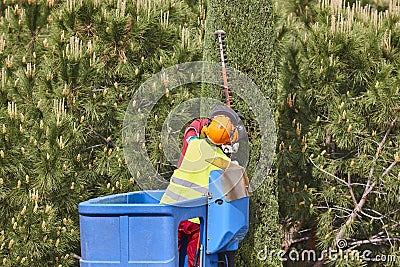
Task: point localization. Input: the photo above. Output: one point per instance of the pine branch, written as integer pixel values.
(351, 189)
(369, 187)
(75, 256)
(107, 141)
(373, 217)
(379, 150)
(288, 237)
(92, 147)
(382, 232)
(341, 209)
(295, 241)
(386, 172)
(387, 215)
(373, 241)
(328, 173)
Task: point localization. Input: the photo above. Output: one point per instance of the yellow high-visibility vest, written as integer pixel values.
(191, 179)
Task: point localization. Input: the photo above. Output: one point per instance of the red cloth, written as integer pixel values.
(194, 129)
(192, 231)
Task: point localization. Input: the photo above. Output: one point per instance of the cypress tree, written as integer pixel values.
(249, 49)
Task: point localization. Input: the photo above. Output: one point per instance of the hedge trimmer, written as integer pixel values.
(220, 34)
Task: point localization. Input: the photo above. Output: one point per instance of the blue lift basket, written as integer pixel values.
(133, 229)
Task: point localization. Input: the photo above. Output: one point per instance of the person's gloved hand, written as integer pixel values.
(229, 149)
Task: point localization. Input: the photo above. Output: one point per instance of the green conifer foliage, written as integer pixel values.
(249, 49)
(68, 71)
(339, 131)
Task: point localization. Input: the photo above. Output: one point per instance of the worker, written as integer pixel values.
(203, 139)
(196, 126)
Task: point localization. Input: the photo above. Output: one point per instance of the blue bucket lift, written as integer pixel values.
(133, 229)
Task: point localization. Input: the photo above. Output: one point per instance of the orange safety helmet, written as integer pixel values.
(221, 131)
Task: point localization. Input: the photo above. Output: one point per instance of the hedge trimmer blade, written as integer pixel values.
(220, 34)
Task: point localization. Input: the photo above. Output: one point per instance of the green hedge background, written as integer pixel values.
(249, 40)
